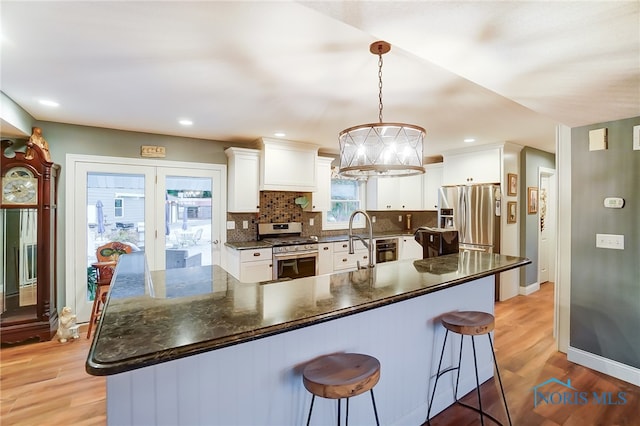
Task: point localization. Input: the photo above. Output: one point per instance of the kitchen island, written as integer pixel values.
(196, 346)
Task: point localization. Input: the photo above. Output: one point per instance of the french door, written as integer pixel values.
(172, 211)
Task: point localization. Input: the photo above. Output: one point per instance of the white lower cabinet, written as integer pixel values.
(409, 248)
(250, 266)
(343, 261)
(325, 258)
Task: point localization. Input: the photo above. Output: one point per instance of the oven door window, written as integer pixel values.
(296, 267)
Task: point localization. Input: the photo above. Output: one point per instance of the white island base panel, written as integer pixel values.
(259, 382)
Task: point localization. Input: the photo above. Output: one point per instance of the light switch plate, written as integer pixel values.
(636, 138)
(610, 241)
(231, 224)
(245, 224)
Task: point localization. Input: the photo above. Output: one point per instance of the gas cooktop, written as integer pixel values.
(289, 241)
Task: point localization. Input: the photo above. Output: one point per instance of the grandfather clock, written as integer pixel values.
(28, 218)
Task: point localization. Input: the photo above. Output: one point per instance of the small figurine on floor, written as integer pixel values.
(67, 328)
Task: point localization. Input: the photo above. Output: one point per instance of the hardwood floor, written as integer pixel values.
(46, 384)
(525, 349)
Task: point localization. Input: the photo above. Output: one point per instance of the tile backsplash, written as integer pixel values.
(280, 206)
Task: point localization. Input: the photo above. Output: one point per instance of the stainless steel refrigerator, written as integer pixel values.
(474, 211)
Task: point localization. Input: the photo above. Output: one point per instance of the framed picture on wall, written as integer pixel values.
(512, 211)
(512, 184)
(532, 200)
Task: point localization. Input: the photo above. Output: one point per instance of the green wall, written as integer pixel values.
(605, 283)
(531, 160)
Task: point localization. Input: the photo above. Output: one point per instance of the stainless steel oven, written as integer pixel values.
(386, 250)
(295, 261)
(294, 256)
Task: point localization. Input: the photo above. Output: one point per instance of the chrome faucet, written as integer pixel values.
(369, 244)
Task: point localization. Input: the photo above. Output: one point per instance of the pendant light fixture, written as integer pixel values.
(381, 149)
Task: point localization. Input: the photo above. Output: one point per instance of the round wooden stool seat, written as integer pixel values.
(469, 323)
(341, 375)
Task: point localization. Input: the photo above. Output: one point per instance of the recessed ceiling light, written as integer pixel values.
(185, 122)
(280, 134)
(469, 140)
(49, 103)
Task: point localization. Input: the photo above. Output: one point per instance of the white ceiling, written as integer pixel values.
(496, 71)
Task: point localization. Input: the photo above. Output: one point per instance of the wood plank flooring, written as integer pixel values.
(46, 384)
(525, 349)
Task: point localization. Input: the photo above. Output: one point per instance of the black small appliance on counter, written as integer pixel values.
(437, 241)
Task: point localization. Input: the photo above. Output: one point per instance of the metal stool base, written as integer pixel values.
(455, 395)
(373, 401)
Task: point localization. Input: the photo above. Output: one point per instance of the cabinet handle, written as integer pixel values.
(256, 254)
(344, 245)
(344, 260)
(325, 248)
(365, 257)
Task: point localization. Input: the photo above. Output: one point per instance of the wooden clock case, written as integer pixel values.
(26, 312)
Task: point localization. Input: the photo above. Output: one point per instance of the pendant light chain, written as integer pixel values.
(380, 86)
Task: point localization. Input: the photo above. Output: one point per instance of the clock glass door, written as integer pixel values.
(19, 279)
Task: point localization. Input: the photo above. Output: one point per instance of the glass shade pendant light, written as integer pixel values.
(381, 149)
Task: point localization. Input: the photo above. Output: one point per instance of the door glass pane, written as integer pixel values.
(115, 212)
(188, 218)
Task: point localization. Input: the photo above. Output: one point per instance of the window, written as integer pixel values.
(118, 205)
(347, 195)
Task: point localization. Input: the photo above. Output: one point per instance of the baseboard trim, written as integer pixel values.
(604, 365)
(527, 290)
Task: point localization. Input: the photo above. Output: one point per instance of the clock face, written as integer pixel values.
(19, 190)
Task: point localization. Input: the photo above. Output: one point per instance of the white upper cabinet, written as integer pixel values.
(321, 198)
(395, 193)
(243, 193)
(287, 166)
(481, 166)
(432, 183)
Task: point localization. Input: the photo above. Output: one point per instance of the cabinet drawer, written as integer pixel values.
(255, 255)
(343, 246)
(346, 261)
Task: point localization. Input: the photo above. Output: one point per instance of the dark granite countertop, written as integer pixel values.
(160, 316)
(250, 245)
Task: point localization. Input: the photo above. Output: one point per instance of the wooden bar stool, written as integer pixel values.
(340, 376)
(469, 323)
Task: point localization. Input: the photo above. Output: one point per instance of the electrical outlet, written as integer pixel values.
(610, 241)
(245, 224)
(636, 138)
(373, 219)
(311, 222)
(400, 218)
(231, 224)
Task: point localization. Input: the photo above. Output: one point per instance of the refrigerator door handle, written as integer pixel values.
(462, 220)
